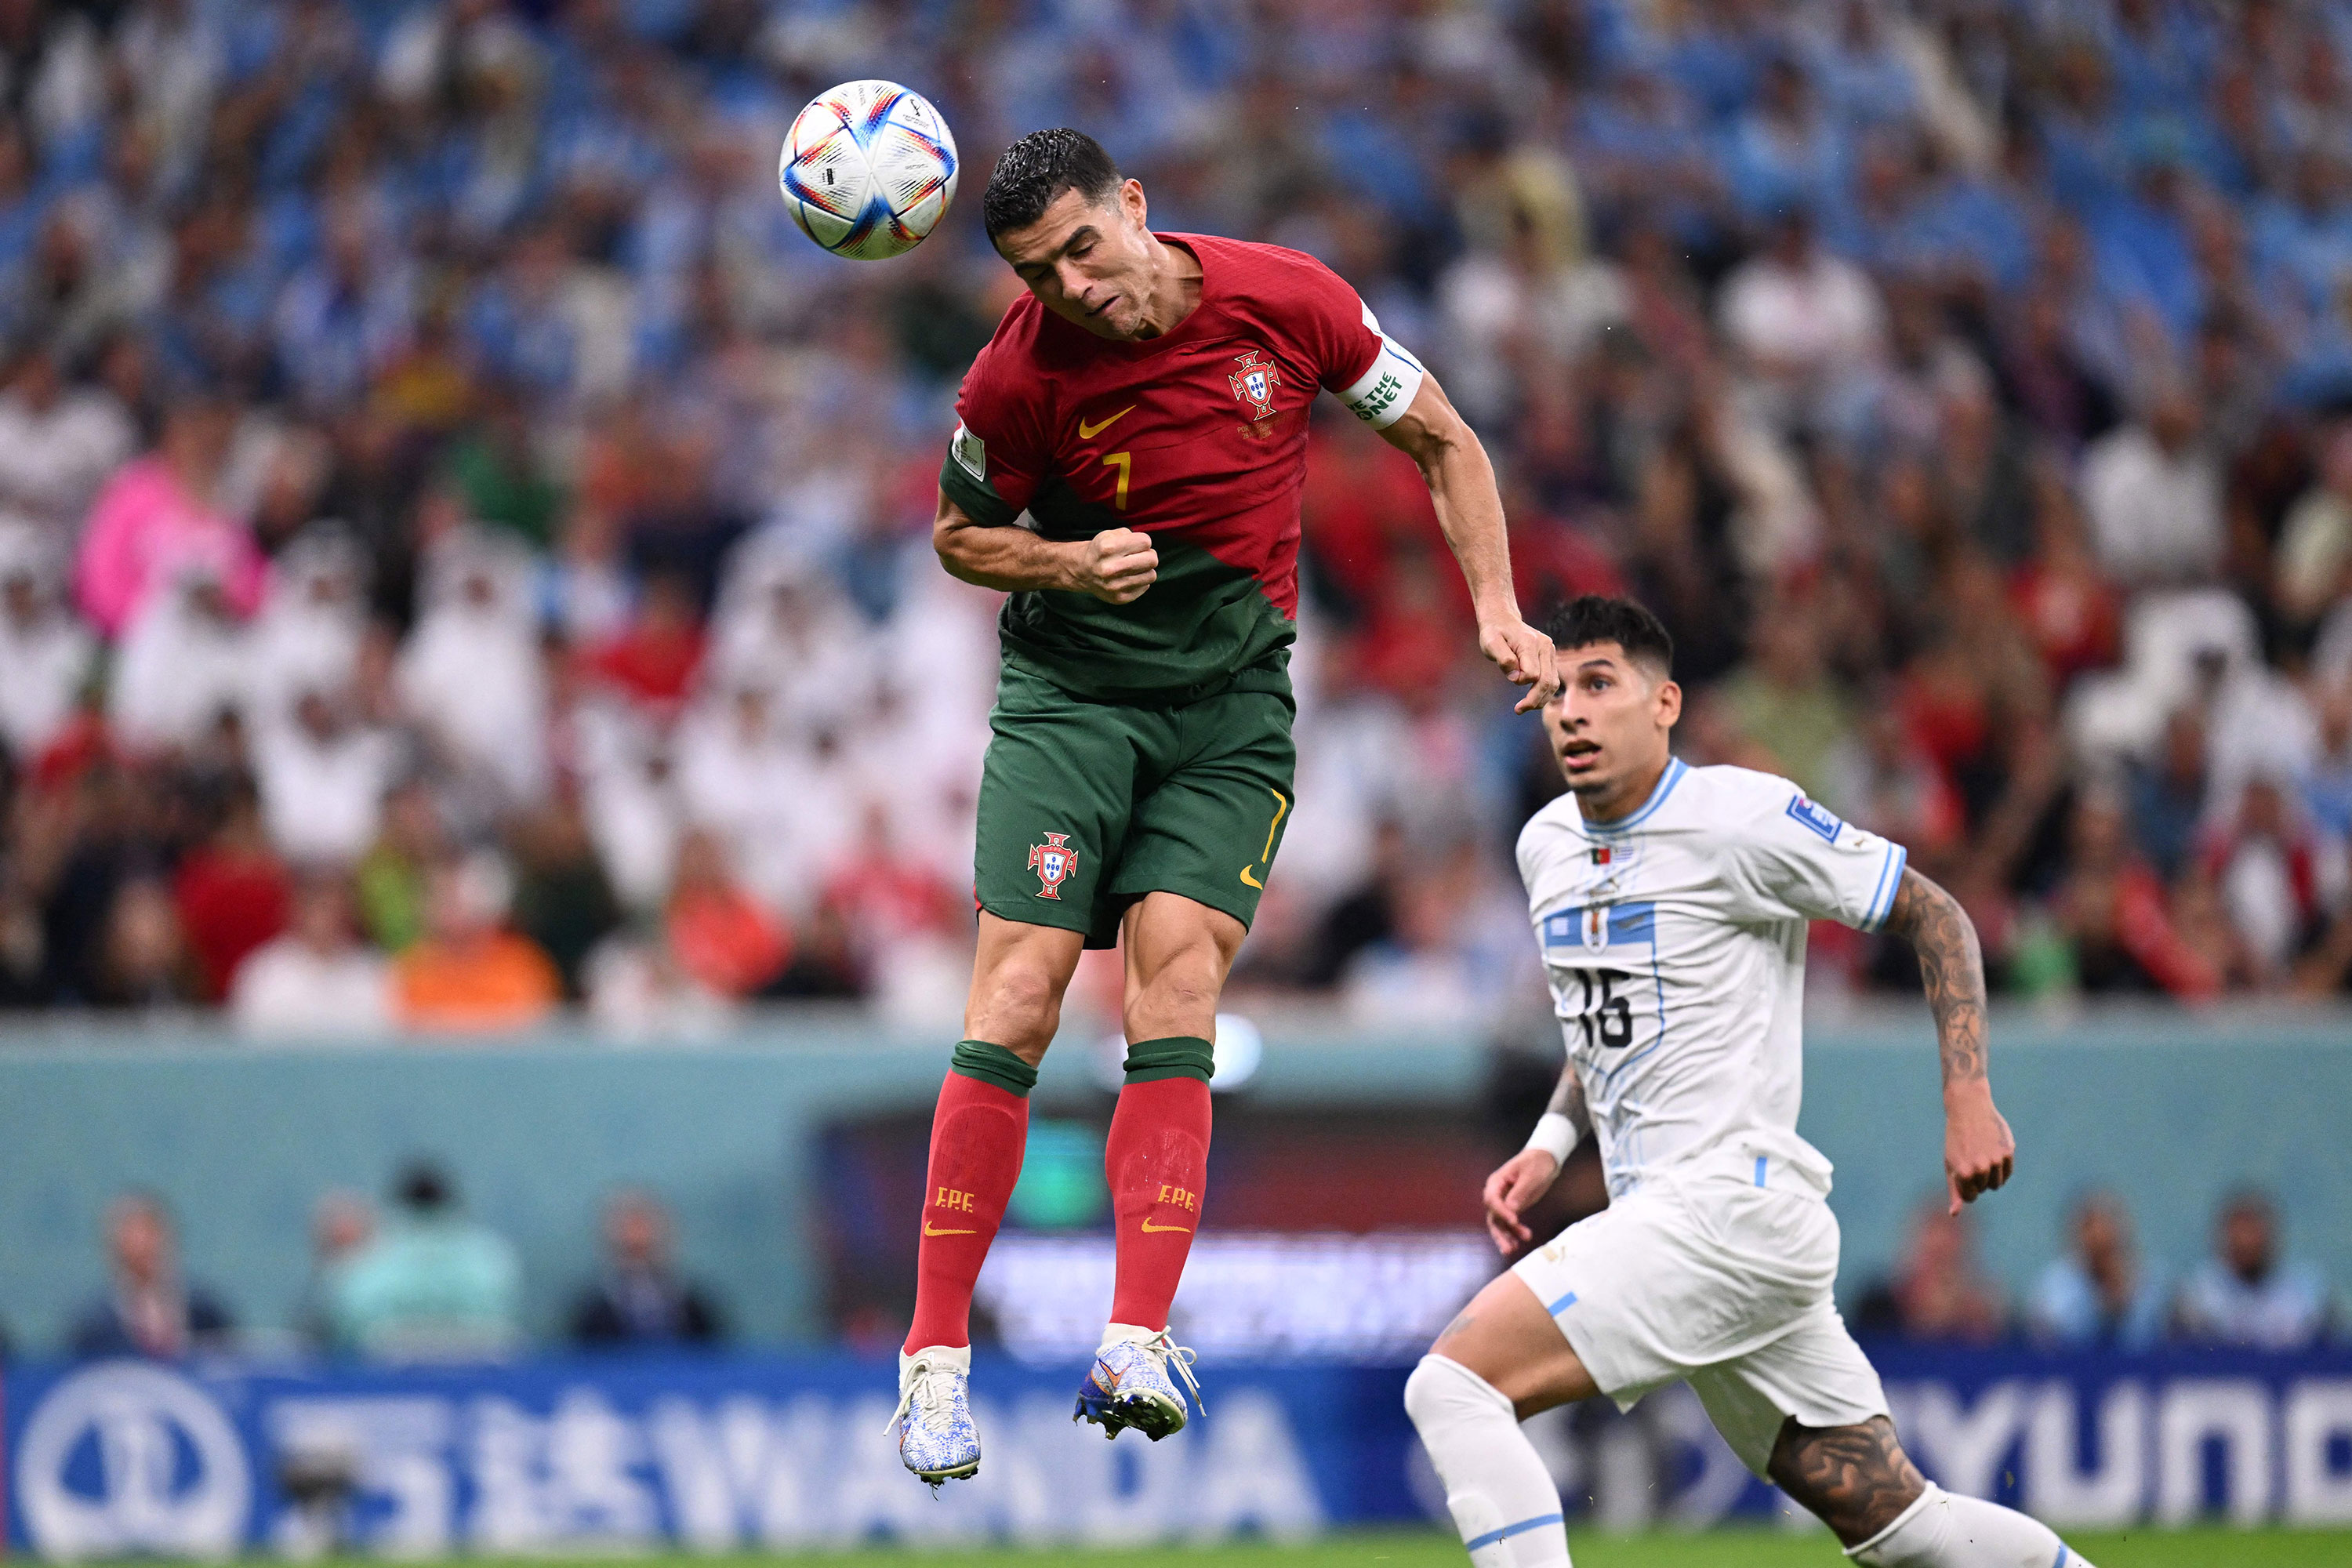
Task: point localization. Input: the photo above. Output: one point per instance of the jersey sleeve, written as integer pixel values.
(1792, 858)
(998, 455)
(1528, 852)
(1358, 362)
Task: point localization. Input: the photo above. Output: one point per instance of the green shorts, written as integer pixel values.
(1086, 805)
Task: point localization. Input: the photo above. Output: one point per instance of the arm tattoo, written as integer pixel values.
(1855, 1479)
(1568, 1100)
(1952, 968)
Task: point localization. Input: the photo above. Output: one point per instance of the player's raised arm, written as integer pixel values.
(1527, 1175)
(1115, 566)
(1461, 480)
(1979, 1150)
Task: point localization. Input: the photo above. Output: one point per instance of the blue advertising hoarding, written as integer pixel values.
(113, 1457)
(772, 1452)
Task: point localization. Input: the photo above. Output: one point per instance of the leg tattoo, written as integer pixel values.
(1858, 1479)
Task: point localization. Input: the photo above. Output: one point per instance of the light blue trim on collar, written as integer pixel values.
(1665, 787)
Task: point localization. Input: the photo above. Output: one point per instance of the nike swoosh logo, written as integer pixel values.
(1149, 1227)
(1088, 432)
(1253, 882)
(929, 1231)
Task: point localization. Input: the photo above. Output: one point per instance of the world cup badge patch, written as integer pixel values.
(1053, 861)
(1254, 383)
(1818, 820)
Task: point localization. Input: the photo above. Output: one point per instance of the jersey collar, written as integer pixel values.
(1658, 792)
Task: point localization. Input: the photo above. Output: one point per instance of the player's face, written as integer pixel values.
(1088, 262)
(1609, 724)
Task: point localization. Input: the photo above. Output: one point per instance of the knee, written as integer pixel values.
(1016, 1003)
(1424, 1391)
(1024, 988)
(1443, 1393)
(1178, 997)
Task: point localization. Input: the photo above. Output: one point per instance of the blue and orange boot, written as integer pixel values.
(1131, 1383)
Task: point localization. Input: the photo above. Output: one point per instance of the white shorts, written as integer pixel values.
(1722, 1282)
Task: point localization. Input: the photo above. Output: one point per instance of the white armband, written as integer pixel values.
(1555, 1134)
(1380, 396)
(970, 453)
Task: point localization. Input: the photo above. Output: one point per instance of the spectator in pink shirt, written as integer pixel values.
(157, 517)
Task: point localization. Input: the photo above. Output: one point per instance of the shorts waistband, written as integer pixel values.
(1269, 675)
(1757, 1168)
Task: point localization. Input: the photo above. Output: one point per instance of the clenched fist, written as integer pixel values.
(1980, 1151)
(1117, 565)
(1525, 658)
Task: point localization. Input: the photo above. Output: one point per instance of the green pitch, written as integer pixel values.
(1729, 1549)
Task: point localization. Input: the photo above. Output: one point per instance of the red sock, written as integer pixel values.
(978, 1133)
(1158, 1161)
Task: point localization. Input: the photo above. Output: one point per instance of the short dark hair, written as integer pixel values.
(423, 1188)
(1038, 168)
(1591, 618)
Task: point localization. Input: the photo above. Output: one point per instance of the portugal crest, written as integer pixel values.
(1053, 861)
(1254, 383)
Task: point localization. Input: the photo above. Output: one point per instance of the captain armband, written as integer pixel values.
(970, 453)
(1380, 396)
(1555, 1134)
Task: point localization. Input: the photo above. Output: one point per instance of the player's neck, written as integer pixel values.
(1176, 276)
(1626, 797)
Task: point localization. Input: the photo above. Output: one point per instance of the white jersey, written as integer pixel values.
(1674, 940)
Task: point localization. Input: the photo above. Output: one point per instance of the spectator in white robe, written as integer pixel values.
(316, 979)
(44, 650)
(472, 675)
(781, 809)
(307, 635)
(59, 443)
(2152, 489)
(782, 623)
(635, 818)
(183, 664)
(924, 729)
(323, 778)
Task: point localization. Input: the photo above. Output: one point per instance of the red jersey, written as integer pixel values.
(1197, 437)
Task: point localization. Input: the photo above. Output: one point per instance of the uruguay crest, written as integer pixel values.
(1254, 383)
(1053, 861)
(1596, 927)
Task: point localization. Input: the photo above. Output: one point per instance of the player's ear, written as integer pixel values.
(1132, 203)
(1670, 703)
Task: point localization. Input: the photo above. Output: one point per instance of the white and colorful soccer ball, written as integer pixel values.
(869, 170)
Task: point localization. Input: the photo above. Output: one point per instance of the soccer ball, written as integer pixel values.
(869, 170)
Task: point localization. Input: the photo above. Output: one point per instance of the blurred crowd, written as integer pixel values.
(2099, 1292)
(463, 550)
(420, 1281)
